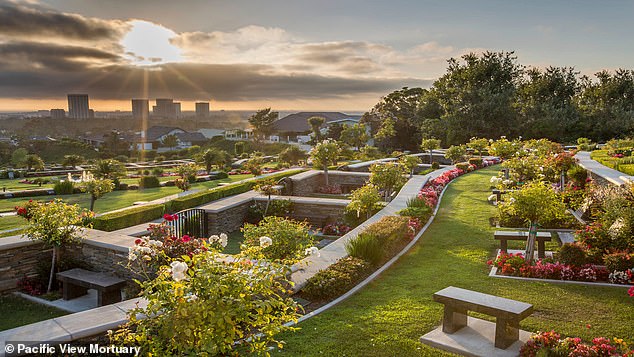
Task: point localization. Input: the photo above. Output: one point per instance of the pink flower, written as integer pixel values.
(168, 217)
(630, 292)
(186, 238)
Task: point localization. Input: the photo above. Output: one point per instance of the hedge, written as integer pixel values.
(200, 198)
(127, 218)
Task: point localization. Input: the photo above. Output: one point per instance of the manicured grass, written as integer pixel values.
(625, 165)
(16, 311)
(388, 317)
(233, 242)
(15, 185)
(10, 222)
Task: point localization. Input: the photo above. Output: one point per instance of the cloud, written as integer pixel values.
(18, 19)
(35, 55)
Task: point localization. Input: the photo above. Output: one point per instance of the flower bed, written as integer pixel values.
(551, 344)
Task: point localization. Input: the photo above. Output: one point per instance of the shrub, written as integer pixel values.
(391, 232)
(435, 165)
(149, 182)
(367, 247)
(578, 175)
(289, 238)
(573, 254)
(129, 217)
(619, 261)
(476, 161)
(64, 187)
(464, 166)
(336, 279)
(422, 213)
(122, 186)
(222, 175)
(157, 171)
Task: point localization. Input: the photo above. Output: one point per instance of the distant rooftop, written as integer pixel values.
(298, 122)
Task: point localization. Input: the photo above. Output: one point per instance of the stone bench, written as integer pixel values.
(76, 283)
(508, 313)
(498, 193)
(505, 236)
(578, 214)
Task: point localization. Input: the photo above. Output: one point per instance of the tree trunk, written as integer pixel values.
(530, 242)
(326, 174)
(431, 156)
(266, 209)
(50, 278)
(92, 202)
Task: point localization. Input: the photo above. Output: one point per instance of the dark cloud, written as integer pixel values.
(19, 20)
(190, 82)
(31, 56)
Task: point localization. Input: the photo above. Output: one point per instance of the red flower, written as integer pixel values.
(137, 241)
(588, 326)
(630, 292)
(186, 238)
(168, 217)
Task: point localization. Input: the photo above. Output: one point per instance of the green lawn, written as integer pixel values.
(388, 317)
(16, 311)
(10, 222)
(15, 185)
(111, 201)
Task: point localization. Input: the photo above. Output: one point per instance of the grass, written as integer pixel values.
(111, 201)
(16, 311)
(625, 165)
(10, 222)
(388, 316)
(233, 242)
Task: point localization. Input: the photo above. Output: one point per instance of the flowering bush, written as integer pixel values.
(26, 211)
(286, 241)
(415, 225)
(551, 344)
(206, 305)
(336, 229)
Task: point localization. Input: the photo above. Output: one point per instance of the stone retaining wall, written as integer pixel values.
(229, 219)
(19, 259)
(307, 183)
(103, 259)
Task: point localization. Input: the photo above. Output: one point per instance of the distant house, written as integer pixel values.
(294, 125)
(153, 138)
(212, 133)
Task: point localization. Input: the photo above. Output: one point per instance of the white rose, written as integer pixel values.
(312, 251)
(224, 239)
(178, 270)
(131, 256)
(265, 242)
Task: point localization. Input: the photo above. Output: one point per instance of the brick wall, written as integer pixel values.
(18, 260)
(307, 183)
(229, 219)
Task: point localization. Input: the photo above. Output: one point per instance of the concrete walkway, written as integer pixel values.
(613, 176)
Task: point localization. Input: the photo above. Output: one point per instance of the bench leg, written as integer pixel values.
(108, 297)
(541, 249)
(506, 332)
(71, 291)
(453, 319)
(504, 246)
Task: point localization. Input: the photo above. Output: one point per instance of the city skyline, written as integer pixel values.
(291, 56)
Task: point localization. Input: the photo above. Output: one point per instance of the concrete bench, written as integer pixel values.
(505, 236)
(578, 214)
(76, 283)
(508, 313)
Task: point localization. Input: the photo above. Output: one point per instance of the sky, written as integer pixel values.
(289, 55)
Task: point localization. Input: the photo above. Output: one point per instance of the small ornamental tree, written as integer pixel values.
(208, 305)
(292, 155)
(456, 153)
(34, 162)
(72, 160)
(315, 124)
(325, 154)
(409, 163)
(535, 202)
(430, 145)
(212, 157)
(254, 165)
(109, 169)
(267, 188)
(97, 188)
(56, 224)
(288, 239)
(503, 148)
(355, 135)
(387, 177)
(364, 200)
(478, 145)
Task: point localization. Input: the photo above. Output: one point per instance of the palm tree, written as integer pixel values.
(109, 169)
(72, 160)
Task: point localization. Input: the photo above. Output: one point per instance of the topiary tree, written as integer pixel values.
(97, 188)
(56, 224)
(292, 155)
(409, 163)
(73, 160)
(478, 145)
(387, 177)
(315, 124)
(431, 145)
(536, 201)
(364, 200)
(34, 162)
(325, 154)
(456, 153)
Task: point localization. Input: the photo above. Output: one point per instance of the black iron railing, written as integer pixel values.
(191, 222)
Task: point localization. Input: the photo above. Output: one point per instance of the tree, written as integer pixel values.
(364, 200)
(97, 188)
(170, 141)
(387, 177)
(535, 202)
(430, 145)
(73, 160)
(187, 173)
(478, 145)
(477, 96)
(114, 144)
(267, 188)
(504, 148)
(262, 122)
(316, 123)
(254, 165)
(109, 169)
(292, 155)
(355, 135)
(33, 162)
(368, 153)
(325, 154)
(212, 157)
(456, 153)
(57, 224)
(239, 147)
(334, 131)
(409, 163)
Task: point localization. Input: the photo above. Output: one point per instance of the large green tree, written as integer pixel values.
(355, 135)
(325, 154)
(262, 122)
(315, 125)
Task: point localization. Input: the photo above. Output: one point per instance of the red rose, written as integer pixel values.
(137, 241)
(631, 291)
(168, 217)
(186, 238)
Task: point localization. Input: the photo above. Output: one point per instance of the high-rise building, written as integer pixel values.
(58, 114)
(78, 107)
(202, 109)
(140, 108)
(177, 109)
(165, 108)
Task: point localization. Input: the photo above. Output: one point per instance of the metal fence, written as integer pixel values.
(191, 222)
